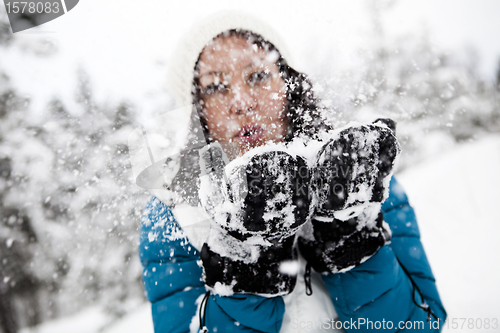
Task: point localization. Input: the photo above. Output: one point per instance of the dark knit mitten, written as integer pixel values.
(257, 203)
(351, 179)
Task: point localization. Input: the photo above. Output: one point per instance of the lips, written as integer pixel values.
(250, 133)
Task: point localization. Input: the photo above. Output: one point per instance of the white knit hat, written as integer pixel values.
(181, 67)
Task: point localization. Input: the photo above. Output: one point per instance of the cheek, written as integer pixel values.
(277, 110)
(273, 102)
(216, 126)
(215, 113)
(220, 126)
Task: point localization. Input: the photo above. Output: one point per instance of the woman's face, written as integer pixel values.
(243, 94)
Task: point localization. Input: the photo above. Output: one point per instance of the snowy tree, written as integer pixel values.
(437, 98)
(69, 211)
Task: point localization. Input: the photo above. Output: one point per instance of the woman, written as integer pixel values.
(247, 97)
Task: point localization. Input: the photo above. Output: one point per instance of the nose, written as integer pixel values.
(242, 100)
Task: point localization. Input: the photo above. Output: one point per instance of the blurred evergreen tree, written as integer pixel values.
(436, 98)
(69, 213)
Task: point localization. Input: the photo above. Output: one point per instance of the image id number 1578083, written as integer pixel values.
(472, 323)
(32, 7)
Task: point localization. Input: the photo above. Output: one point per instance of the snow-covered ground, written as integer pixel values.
(456, 197)
(93, 320)
(87, 321)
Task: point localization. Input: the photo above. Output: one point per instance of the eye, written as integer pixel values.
(258, 77)
(214, 88)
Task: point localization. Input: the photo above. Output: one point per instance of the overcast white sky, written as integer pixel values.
(125, 45)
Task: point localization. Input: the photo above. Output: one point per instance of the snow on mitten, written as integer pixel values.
(351, 180)
(257, 204)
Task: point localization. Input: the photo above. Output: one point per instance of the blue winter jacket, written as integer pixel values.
(378, 290)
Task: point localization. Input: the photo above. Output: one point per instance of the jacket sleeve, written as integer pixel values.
(173, 283)
(171, 276)
(379, 291)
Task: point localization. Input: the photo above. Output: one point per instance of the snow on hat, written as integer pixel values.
(181, 68)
